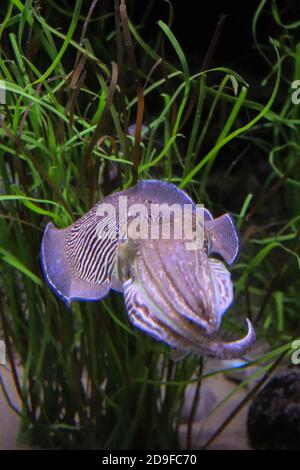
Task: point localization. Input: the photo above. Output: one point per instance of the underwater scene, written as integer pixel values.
(149, 227)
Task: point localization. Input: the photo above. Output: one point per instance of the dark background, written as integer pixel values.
(194, 25)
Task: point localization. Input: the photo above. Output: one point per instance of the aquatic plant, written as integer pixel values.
(67, 141)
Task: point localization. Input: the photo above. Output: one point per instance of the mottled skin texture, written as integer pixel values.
(176, 295)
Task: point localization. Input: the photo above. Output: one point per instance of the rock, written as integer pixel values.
(274, 415)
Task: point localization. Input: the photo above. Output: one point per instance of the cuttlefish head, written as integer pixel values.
(176, 294)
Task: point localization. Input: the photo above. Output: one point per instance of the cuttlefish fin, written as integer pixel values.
(141, 317)
(74, 266)
(207, 215)
(223, 238)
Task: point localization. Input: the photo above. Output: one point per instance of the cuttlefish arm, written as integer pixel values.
(179, 297)
(144, 319)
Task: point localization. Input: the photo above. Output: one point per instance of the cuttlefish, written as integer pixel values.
(175, 293)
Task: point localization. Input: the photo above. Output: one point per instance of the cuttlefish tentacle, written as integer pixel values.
(142, 317)
(229, 350)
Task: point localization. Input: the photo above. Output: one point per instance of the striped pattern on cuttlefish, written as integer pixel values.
(176, 295)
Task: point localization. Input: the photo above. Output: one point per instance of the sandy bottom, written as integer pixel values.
(9, 420)
(213, 391)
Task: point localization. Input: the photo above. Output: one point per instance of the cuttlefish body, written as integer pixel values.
(175, 294)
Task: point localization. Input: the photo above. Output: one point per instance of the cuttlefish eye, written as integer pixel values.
(176, 295)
